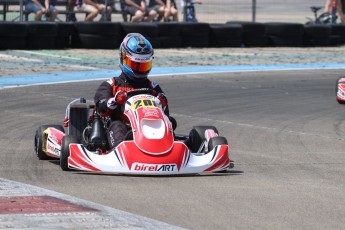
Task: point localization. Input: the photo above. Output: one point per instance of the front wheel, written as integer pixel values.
(65, 151)
(40, 137)
(337, 89)
(214, 141)
(197, 138)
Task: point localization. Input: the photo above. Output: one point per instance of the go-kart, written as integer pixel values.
(151, 146)
(340, 90)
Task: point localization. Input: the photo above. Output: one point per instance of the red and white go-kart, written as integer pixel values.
(150, 148)
(340, 90)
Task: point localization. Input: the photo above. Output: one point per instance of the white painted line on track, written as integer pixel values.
(48, 55)
(5, 57)
(82, 67)
(252, 126)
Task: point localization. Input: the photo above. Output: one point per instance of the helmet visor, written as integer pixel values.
(138, 67)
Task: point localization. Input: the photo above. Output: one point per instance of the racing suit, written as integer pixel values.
(117, 128)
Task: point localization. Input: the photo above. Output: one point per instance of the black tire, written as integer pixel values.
(338, 29)
(42, 28)
(285, 34)
(195, 34)
(197, 136)
(13, 35)
(253, 34)
(251, 28)
(255, 41)
(42, 35)
(317, 35)
(282, 29)
(216, 141)
(173, 122)
(65, 153)
(35, 42)
(66, 31)
(337, 40)
(196, 41)
(226, 30)
(144, 28)
(13, 28)
(39, 137)
(226, 35)
(195, 29)
(12, 42)
(100, 28)
(170, 42)
(286, 41)
(94, 41)
(171, 29)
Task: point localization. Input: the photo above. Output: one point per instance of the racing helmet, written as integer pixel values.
(136, 54)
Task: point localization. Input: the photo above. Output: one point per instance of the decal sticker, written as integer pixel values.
(140, 167)
(146, 103)
(150, 112)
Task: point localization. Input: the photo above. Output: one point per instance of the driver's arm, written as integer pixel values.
(103, 95)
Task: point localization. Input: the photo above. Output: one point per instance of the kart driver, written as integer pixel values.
(136, 54)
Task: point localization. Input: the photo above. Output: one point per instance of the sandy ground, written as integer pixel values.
(50, 61)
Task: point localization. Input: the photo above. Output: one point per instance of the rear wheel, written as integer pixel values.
(65, 152)
(197, 137)
(40, 137)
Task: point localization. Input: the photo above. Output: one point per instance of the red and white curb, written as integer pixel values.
(24, 206)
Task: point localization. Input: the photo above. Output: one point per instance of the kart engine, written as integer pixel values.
(94, 135)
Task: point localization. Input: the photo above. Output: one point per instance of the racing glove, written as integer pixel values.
(163, 99)
(119, 99)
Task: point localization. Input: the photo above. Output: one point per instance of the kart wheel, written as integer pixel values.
(336, 91)
(197, 137)
(40, 137)
(173, 122)
(66, 141)
(213, 142)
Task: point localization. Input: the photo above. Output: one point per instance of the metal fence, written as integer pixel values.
(215, 11)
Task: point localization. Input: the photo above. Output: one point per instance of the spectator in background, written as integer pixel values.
(165, 9)
(137, 9)
(159, 7)
(93, 7)
(340, 8)
(171, 11)
(71, 15)
(330, 4)
(42, 7)
(189, 10)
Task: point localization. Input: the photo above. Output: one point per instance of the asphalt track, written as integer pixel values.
(285, 131)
